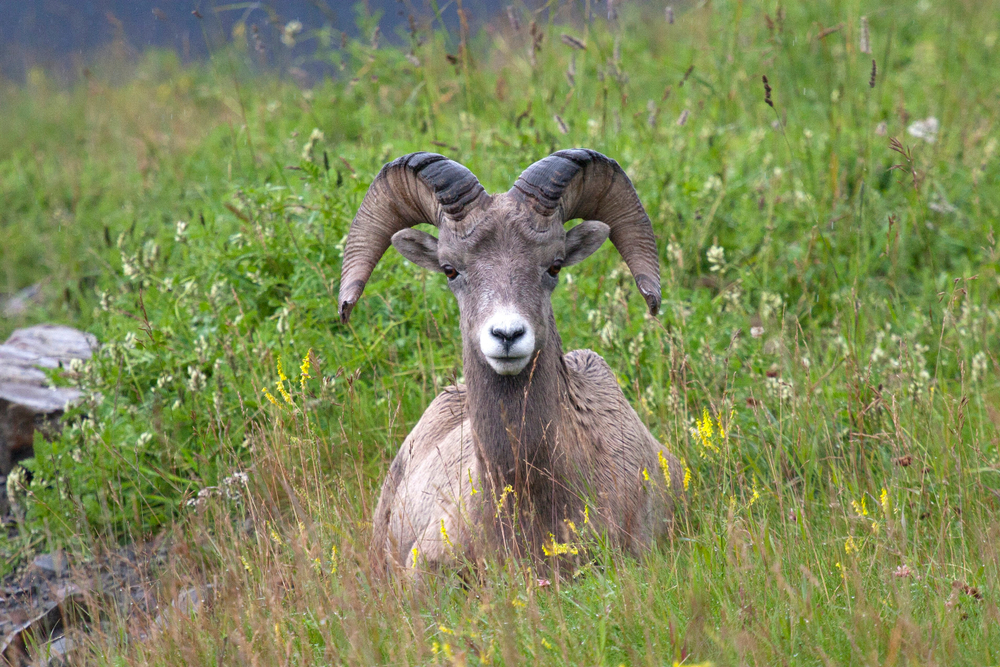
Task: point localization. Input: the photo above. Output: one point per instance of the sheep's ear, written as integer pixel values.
(419, 247)
(583, 240)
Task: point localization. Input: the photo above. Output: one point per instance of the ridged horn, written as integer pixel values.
(581, 183)
(416, 188)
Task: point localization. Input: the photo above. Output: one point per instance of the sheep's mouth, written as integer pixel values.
(508, 365)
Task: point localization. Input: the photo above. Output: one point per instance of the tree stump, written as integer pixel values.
(28, 401)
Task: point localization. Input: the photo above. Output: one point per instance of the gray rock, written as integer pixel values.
(39, 400)
(27, 401)
(54, 562)
(188, 601)
(57, 652)
(46, 345)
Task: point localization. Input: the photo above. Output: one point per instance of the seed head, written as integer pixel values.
(767, 92)
(871, 81)
(573, 42)
(865, 45)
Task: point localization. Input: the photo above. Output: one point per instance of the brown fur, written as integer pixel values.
(521, 455)
(561, 433)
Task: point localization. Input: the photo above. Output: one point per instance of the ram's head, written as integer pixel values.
(501, 253)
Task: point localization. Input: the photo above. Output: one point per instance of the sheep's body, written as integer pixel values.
(601, 450)
(537, 445)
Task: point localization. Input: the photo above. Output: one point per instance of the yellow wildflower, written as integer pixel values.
(305, 368)
(284, 393)
(586, 514)
(665, 466)
(861, 508)
(850, 546)
(645, 474)
(706, 432)
(333, 559)
(444, 536)
(269, 396)
(503, 496)
(556, 549)
(416, 554)
(472, 484)
(884, 501)
(687, 477)
(281, 371)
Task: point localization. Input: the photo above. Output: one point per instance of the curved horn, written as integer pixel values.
(416, 188)
(581, 183)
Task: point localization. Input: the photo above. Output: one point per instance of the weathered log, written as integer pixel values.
(27, 399)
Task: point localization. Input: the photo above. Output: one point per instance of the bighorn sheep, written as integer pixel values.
(535, 440)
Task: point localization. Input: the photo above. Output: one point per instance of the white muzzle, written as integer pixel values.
(507, 341)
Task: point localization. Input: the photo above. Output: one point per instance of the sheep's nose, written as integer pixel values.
(508, 335)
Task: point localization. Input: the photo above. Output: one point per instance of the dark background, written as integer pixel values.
(65, 36)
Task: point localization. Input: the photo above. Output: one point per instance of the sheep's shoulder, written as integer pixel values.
(418, 488)
(445, 413)
(589, 373)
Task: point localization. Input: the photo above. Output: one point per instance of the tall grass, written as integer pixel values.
(825, 362)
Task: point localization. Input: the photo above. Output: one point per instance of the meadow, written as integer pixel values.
(825, 361)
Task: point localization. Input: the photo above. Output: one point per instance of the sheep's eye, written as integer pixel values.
(555, 268)
(450, 271)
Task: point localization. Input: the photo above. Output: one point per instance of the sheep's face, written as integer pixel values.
(503, 275)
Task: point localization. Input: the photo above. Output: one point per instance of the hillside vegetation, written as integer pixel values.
(825, 361)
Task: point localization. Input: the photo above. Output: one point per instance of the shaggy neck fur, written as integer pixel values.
(516, 423)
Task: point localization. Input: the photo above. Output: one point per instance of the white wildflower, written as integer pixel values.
(716, 259)
(196, 379)
(307, 149)
(925, 129)
(778, 388)
(129, 267)
(979, 366)
(292, 28)
(733, 295)
(150, 253)
(636, 346)
(608, 333)
(769, 304)
(712, 184)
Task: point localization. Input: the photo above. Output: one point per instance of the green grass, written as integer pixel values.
(862, 432)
